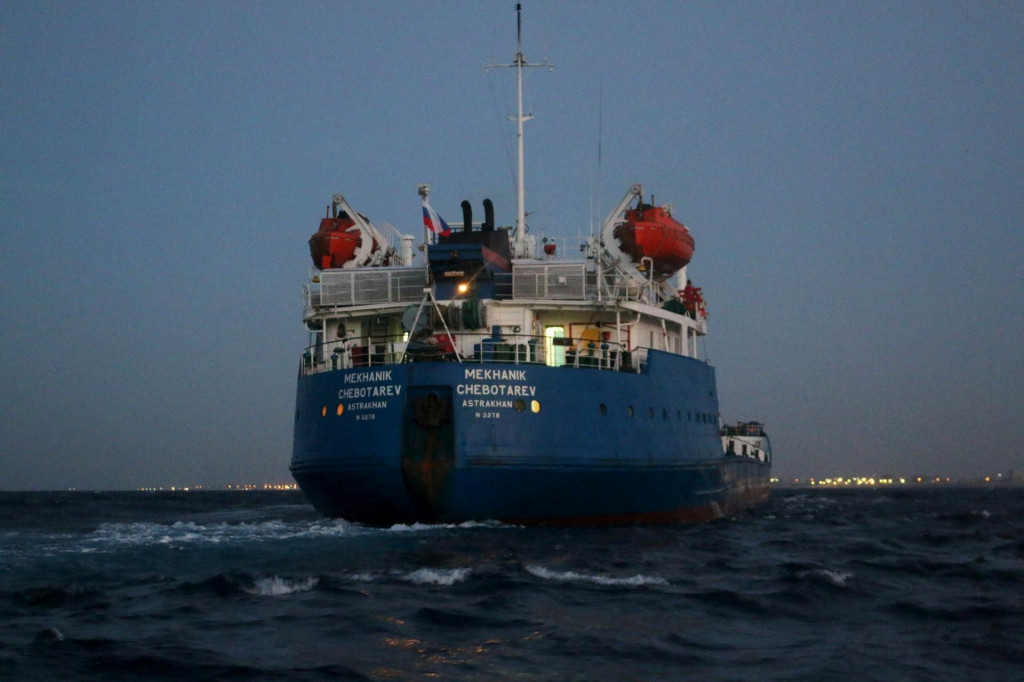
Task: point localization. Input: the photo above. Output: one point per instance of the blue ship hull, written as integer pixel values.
(447, 442)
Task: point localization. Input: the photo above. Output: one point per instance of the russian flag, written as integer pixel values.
(433, 222)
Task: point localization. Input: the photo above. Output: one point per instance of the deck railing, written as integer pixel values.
(744, 429)
(341, 288)
(473, 348)
(562, 281)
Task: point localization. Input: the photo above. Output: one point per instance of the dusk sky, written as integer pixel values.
(852, 172)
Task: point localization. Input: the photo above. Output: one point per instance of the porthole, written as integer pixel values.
(323, 411)
(650, 413)
(535, 406)
(629, 410)
(664, 413)
(603, 409)
(341, 408)
(519, 405)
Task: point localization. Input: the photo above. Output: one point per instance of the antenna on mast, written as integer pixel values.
(519, 27)
(520, 244)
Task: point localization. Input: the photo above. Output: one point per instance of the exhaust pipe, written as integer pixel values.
(488, 215)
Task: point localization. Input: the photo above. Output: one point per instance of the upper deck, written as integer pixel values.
(542, 312)
(559, 283)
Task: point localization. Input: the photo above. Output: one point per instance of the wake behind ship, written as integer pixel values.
(490, 381)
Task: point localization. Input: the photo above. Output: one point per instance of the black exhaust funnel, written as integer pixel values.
(488, 215)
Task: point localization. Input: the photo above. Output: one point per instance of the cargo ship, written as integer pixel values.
(487, 377)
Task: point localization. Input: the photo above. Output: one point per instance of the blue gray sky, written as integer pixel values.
(853, 173)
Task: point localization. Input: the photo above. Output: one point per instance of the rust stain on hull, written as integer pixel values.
(428, 457)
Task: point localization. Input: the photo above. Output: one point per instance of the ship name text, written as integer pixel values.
(370, 392)
(480, 374)
(496, 389)
(367, 377)
(478, 383)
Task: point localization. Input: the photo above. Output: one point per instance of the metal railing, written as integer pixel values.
(343, 288)
(744, 429)
(474, 348)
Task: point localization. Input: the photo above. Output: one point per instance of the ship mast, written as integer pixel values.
(520, 247)
(520, 120)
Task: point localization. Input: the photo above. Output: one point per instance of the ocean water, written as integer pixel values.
(877, 584)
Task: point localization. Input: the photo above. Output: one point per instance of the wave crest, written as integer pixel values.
(110, 535)
(637, 580)
(277, 587)
(437, 576)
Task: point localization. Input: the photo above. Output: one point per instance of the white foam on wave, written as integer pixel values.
(425, 527)
(637, 580)
(362, 577)
(437, 576)
(190, 533)
(110, 536)
(329, 528)
(278, 587)
(837, 578)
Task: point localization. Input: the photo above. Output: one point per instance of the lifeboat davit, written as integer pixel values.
(652, 232)
(335, 243)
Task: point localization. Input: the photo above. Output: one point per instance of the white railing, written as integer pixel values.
(342, 288)
(469, 348)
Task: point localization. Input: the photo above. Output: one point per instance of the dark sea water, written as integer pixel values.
(897, 584)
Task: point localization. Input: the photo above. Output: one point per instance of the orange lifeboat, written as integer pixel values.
(335, 243)
(652, 232)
